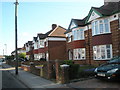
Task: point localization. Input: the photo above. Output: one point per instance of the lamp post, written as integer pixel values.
(16, 54)
(5, 49)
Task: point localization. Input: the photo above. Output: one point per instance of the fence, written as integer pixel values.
(46, 69)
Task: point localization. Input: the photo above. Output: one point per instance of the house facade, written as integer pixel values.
(29, 50)
(19, 51)
(51, 45)
(96, 38)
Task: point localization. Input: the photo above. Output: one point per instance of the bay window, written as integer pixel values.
(79, 54)
(78, 34)
(100, 27)
(102, 52)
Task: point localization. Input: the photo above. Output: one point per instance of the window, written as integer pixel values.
(70, 55)
(79, 54)
(69, 38)
(102, 52)
(78, 34)
(41, 43)
(100, 27)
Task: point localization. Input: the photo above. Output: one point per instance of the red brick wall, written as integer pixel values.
(76, 44)
(114, 25)
(102, 39)
(57, 50)
(35, 51)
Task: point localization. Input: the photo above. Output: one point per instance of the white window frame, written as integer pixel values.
(41, 43)
(78, 34)
(76, 52)
(100, 53)
(94, 26)
(69, 38)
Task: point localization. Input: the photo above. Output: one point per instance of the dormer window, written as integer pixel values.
(100, 27)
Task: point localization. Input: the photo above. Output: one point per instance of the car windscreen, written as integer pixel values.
(108, 66)
(114, 61)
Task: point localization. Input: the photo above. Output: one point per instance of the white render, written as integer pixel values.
(93, 16)
(56, 39)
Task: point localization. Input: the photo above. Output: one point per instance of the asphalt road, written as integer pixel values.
(96, 83)
(9, 81)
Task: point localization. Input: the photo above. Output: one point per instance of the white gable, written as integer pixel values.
(93, 16)
(72, 25)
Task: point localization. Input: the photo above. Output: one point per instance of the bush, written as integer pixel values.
(73, 68)
(69, 62)
(86, 71)
(73, 71)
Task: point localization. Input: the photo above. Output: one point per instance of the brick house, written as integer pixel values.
(29, 50)
(96, 38)
(51, 45)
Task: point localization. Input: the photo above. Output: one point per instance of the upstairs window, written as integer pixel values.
(41, 43)
(78, 34)
(100, 27)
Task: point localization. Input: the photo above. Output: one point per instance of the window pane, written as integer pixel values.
(94, 52)
(98, 52)
(106, 25)
(79, 53)
(82, 34)
(93, 28)
(108, 51)
(83, 53)
(75, 54)
(103, 52)
(96, 27)
(101, 28)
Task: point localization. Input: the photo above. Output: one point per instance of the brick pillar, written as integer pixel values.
(32, 66)
(65, 73)
(49, 67)
(57, 64)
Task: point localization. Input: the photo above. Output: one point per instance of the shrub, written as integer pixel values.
(73, 68)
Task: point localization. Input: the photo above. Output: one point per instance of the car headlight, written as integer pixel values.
(95, 70)
(112, 71)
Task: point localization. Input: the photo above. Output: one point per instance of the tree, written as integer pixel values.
(22, 55)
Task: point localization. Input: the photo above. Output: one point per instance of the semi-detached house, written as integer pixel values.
(96, 38)
(51, 45)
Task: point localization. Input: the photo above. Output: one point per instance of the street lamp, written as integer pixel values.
(16, 54)
(5, 49)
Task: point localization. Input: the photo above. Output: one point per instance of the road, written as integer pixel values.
(95, 83)
(9, 81)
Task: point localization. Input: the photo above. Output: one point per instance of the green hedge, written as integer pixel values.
(73, 68)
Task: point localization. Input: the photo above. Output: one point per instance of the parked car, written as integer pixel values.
(109, 70)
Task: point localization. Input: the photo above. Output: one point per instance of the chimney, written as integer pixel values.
(54, 26)
(108, 1)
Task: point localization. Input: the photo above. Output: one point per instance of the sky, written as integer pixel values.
(37, 16)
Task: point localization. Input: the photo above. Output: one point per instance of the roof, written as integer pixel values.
(41, 36)
(30, 42)
(105, 10)
(109, 9)
(78, 23)
(35, 38)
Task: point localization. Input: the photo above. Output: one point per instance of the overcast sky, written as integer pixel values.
(37, 17)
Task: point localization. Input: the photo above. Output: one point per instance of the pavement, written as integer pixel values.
(32, 81)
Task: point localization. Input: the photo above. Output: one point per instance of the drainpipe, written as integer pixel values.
(89, 44)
